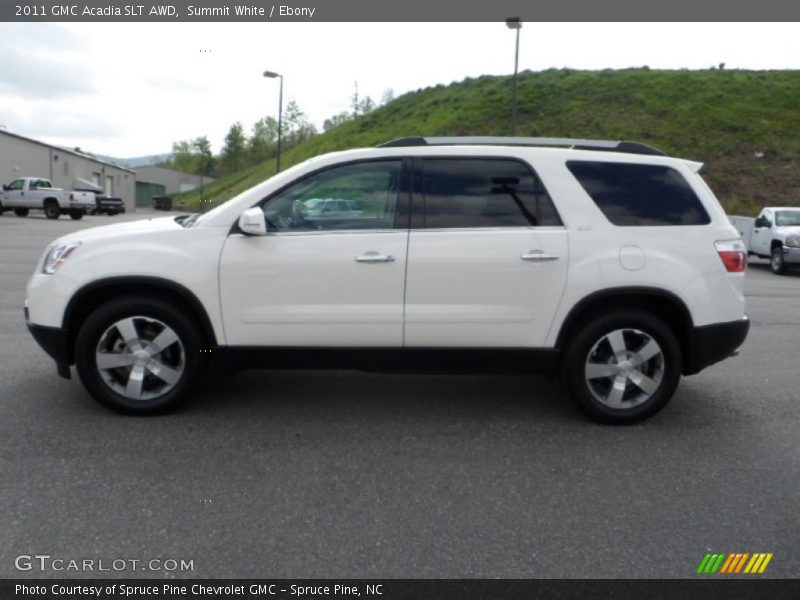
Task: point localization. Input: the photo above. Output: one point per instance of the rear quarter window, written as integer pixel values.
(640, 195)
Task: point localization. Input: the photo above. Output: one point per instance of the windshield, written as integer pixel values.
(787, 218)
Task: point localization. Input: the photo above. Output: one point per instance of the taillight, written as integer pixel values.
(733, 254)
(71, 197)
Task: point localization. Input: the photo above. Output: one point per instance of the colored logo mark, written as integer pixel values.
(734, 562)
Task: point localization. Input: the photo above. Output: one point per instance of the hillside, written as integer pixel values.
(744, 125)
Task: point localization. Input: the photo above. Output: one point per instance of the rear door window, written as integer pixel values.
(640, 195)
(468, 193)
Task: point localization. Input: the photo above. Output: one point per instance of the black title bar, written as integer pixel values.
(394, 11)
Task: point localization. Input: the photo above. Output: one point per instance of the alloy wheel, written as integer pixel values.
(624, 368)
(141, 358)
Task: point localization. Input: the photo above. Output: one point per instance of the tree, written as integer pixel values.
(388, 96)
(336, 120)
(296, 126)
(355, 104)
(361, 106)
(233, 152)
(183, 157)
(203, 156)
(262, 142)
(367, 105)
(305, 132)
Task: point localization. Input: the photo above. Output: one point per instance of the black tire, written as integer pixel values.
(2, 210)
(21, 212)
(590, 347)
(76, 215)
(776, 262)
(146, 312)
(51, 209)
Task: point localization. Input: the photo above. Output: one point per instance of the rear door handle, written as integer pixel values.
(374, 257)
(539, 256)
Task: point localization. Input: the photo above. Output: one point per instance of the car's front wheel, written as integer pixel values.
(139, 355)
(622, 367)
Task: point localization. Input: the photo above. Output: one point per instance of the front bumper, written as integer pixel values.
(791, 255)
(710, 344)
(54, 341)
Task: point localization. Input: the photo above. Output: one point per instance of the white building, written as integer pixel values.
(25, 157)
(175, 182)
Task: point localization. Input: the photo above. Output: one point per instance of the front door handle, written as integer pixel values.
(539, 256)
(374, 257)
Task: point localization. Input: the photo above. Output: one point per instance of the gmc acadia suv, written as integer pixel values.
(608, 263)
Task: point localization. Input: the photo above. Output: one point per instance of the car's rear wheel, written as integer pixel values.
(21, 212)
(76, 215)
(139, 355)
(776, 262)
(51, 209)
(622, 367)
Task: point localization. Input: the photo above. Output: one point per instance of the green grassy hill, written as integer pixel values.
(744, 125)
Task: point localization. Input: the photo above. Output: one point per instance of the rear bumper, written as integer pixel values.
(109, 205)
(79, 206)
(710, 344)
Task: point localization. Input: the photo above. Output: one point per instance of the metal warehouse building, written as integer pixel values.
(25, 157)
(174, 182)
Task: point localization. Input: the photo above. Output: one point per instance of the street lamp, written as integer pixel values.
(273, 75)
(515, 23)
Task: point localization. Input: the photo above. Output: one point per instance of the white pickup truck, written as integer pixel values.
(773, 234)
(26, 193)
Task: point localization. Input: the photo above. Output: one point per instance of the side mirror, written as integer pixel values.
(252, 222)
(760, 222)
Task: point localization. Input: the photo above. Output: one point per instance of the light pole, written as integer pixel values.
(273, 75)
(514, 23)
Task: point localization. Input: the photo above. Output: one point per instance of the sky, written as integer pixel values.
(132, 89)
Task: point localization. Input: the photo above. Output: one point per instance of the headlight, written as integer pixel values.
(57, 256)
(793, 241)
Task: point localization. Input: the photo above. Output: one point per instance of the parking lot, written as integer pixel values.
(341, 474)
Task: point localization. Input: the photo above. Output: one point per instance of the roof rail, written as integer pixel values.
(577, 144)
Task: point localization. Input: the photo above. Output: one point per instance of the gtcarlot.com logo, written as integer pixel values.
(733, 563)
(45, 562)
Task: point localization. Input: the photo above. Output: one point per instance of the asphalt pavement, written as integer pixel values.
(344, 474)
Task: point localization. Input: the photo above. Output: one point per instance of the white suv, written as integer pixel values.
(606, 262)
